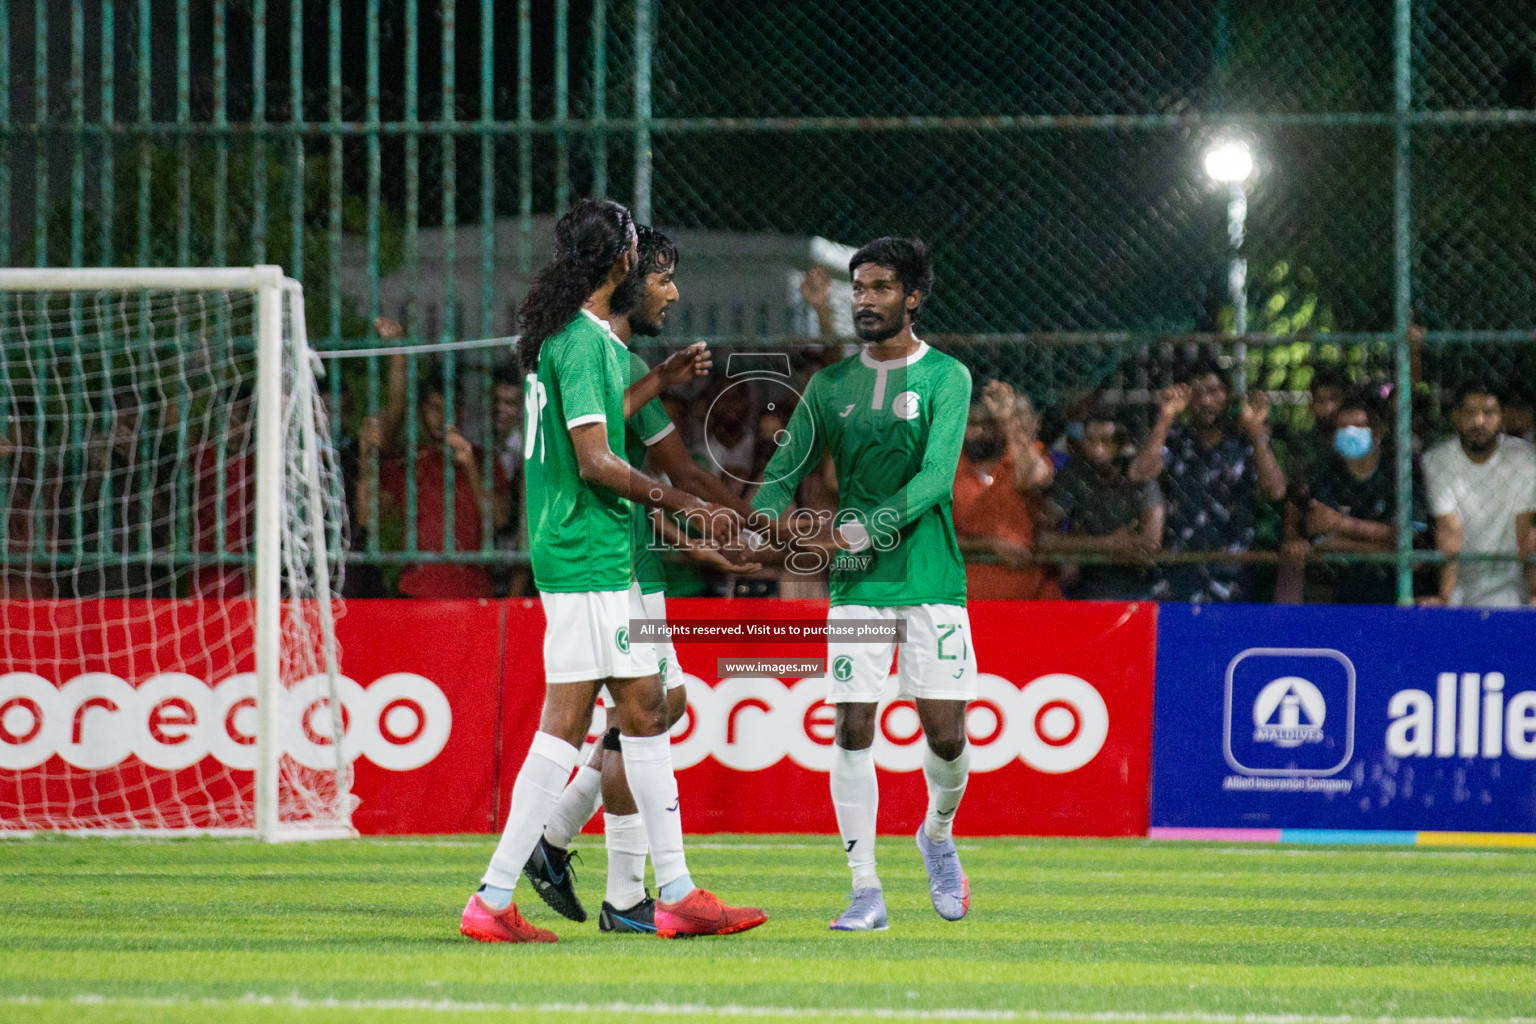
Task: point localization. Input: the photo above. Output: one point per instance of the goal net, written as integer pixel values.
(172, 521)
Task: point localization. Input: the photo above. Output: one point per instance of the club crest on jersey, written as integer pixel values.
(904, 405)
(621, 639)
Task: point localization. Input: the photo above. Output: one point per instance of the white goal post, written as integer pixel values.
(171, 511)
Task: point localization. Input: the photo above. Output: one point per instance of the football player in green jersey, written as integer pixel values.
(638, 307)
(581, 495)
(893, 419)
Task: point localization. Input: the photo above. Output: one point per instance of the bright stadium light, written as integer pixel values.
(1229, 162)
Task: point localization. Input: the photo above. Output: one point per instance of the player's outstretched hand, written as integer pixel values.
(725, 560)
(685, 365)
(388, 329)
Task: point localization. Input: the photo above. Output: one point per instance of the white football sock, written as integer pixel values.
(534, 794)
(648, 765)
(625, 837)
(582, 797)
(856, 799)
(946, 785)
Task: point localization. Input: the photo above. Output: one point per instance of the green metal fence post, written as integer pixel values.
(220, 141)
(370, 468)
(296, 154)
(643, 38)
(5, 123)
(1402, 267)
(562, 105)
(183, 137)
(449, 258)
(599, 115)
(108, 201)
(259, 130)
(77, 126)
(412, 257)
(524, 137)
(333, 192)
(40, 143)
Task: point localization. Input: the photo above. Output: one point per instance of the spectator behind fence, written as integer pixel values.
(1353, 503)
(438, 580)
(1095, 507)
(1214, 468)
(1482, 493)
(1002, 473)
(1300, 453)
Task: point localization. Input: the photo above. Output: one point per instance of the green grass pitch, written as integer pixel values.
(211, 930)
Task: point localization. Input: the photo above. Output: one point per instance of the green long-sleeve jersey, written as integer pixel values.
(894, 430)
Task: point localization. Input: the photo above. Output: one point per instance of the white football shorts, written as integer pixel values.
(937, 662)
(586, 636)
(655, 606)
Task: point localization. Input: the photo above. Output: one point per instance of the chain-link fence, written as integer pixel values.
(408, 159)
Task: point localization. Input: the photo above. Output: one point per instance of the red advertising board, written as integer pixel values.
(456, 648)
(442, 698)
(1061, 732)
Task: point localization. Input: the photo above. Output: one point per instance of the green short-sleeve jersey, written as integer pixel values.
(581, 536)
(648, 425)
(894, 430)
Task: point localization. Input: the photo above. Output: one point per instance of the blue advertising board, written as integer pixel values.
(1344, 718)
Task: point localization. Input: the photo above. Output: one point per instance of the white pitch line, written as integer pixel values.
(295, 1002)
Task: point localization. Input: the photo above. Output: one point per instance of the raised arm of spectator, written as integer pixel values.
(464, 461)
(1148, 463)
(681, 367)
(392, 415)
(1254, 419)
(369, 443)
(1032, 468)
(816, 290)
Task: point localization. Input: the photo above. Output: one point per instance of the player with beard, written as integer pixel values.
(893, 419)
(638, 307)
(582, 498)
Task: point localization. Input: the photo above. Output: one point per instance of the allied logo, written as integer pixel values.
(621, 639)
(1289, 712)
(904, 405)
(842, 668)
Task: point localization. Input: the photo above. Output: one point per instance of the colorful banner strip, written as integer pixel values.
(1343, 837)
